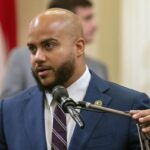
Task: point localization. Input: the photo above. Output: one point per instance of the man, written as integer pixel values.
(85, 11)
(18, 75)
(56, 44)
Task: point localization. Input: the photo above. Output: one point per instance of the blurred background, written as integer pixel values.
(122, 41)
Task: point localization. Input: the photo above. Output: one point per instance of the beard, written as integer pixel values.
(62, 75)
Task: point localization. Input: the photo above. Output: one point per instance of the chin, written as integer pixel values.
(46, 82)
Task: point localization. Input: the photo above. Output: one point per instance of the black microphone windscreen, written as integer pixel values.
(58, 92)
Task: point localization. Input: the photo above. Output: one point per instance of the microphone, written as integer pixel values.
(61, 95)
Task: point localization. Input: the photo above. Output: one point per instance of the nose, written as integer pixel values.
(40, 55)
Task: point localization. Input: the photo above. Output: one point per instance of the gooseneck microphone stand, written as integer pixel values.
(61, 95)
(143, 138)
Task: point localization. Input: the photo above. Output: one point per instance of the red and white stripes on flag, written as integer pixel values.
(7, 31)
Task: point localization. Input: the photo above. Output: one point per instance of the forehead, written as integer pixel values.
(40, 31)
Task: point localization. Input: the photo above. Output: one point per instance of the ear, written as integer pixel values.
(80, 46)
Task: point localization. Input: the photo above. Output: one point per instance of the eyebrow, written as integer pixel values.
(44, 41)
(48, 40)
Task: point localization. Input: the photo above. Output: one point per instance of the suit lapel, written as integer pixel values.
(34, 120)
(94, 92)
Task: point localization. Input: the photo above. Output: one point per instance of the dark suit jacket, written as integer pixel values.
(22, 120)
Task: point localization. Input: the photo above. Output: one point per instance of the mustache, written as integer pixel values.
(43, 68)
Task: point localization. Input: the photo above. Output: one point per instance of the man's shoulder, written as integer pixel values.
(21, 96)
(98, 67)
(90, 61)
(26, 101)
(121, 98)
(116, 90)
(21, 53)
(122, 89)
(126, 96)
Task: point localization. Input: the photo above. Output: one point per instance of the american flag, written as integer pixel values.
(7, 32)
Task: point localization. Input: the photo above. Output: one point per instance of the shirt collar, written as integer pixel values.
(77, 90)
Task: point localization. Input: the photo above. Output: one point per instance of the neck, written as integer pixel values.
(77, 74)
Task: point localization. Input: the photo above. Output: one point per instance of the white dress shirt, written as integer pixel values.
(77, 92)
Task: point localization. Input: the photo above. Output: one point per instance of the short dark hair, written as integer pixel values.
(69, 4)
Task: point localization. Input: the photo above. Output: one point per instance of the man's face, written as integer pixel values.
(52, 55)
(86, 14)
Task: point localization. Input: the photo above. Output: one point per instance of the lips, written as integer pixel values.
(43, 71)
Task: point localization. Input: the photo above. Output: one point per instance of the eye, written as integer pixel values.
(49, 45)
(32, 49)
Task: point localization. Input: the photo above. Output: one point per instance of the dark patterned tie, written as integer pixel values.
(59, 131)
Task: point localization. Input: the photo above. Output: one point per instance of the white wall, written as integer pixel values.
(26, 10)
(136, 44)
